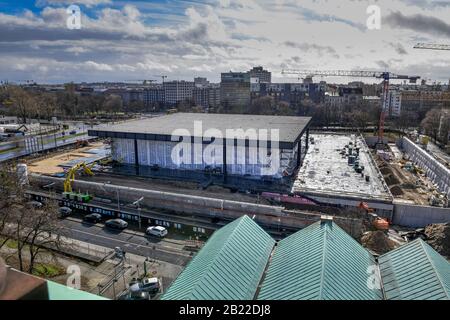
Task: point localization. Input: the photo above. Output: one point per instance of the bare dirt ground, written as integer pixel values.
(377, 241)
(402, 183)
(439, 238)
(51, 164)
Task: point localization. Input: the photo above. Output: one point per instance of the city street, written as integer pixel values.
(133, 242)
(46, 142)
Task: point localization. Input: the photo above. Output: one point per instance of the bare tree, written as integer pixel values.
(113, 103)
(10, 194)
(262, 105)
(34, 229)
(46, 105)
(444, 128)
(24, 103)
(431, 123)
(284, 109)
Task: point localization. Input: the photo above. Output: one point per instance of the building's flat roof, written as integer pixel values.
(326, 171)
(162, 128)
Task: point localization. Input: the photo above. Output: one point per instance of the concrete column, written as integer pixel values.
(224, 156)
(136, 156)
(307, 140)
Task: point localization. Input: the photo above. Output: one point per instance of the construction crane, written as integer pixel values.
(386, 76)
(163, 77)
(432, 46)
(144, 82)
(70, 178)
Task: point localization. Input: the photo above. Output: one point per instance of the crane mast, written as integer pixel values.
(386, 76)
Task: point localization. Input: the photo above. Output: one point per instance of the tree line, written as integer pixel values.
(68, 104)
(31, 230)
(32, 103)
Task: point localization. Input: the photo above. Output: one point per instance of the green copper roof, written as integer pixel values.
(415, 271)
(320, 262)
(229, 266)
(58, 291)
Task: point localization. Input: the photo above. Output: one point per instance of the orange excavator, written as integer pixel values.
(376, 221)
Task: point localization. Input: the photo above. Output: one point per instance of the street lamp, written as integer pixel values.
(137, 203)
(139, 213)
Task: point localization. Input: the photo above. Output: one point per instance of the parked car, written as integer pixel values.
(35, 204)
(93, 217)
(140, 295)
(116, 224)
(156, 231)
(150, 285)
(64, 211)
(119, 252)
(73, 132)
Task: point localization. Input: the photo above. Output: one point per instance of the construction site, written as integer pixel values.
(188, 175)
(337, 175)
(379, 201)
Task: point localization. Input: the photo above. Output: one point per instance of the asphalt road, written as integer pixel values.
(130, 241)
(48, 143)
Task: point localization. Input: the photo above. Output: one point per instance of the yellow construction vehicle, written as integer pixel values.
(68, 192)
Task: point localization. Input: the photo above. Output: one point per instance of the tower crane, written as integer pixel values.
(432, 46)
(144, 82)
(163, 77)
(386, 76)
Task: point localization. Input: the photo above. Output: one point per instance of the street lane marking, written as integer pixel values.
(128, 243)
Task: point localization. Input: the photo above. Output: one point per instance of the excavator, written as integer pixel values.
(376, 221)
(68, 192)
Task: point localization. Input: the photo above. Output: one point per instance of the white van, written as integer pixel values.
(156, 231)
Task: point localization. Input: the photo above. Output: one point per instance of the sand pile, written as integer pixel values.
(377, 241)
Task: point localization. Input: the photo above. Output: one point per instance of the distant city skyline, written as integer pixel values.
(126, 40)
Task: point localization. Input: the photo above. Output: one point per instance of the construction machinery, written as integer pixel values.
(163, 77)
(377, 222)
(70, 178)
(386, 76)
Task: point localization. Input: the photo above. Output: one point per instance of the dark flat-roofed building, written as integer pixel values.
(250, 145)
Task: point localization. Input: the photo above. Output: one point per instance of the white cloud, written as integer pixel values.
(218, 37)
(87, 3)
(98, 66)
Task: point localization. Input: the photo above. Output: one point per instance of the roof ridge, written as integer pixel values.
(216, 254)
(399, 247)
(430, 260)
(324, 256)
(225, 244)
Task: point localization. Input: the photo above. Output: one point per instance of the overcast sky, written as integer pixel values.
(127, 40)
